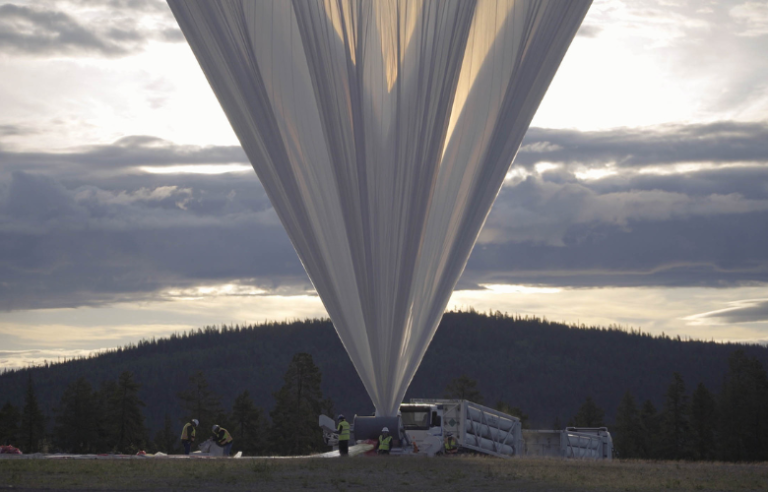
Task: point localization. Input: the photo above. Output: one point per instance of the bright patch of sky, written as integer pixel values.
(637, 63)
(50, 334)
(198, 169)
(644, 63)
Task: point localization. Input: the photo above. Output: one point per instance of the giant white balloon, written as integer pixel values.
(382, 132)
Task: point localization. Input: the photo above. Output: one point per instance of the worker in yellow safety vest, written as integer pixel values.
(385, 441)
(451, 446)
(343, 431)
(188, 435)
(222, 438)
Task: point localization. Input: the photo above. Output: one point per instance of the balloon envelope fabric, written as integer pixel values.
(382, 132)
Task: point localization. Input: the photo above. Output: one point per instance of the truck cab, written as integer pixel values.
(423, 423)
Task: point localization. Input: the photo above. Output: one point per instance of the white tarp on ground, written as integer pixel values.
(382, 132)
(210, 448)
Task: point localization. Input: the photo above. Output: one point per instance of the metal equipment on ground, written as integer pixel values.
(573, 442)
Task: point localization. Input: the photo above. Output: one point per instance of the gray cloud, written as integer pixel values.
(83, 227)
(721, 142)
(705, 228)
(62, 246)
(129, 5)
(752, 18)
(589, 30)
(708, 252)
(8, 130)
(543, 211)
(749, 182)
(44, 31)
(172, 35)
(747, 311)
(130, 151)
(110, 29)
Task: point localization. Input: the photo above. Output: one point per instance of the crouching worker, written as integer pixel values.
(385, 442)
(188, 435)
(343, 431)
(451, 446)
(222, 438)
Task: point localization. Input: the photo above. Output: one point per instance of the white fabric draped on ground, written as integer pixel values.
(382, 132)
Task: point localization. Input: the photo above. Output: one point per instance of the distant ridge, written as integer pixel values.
(545, 368)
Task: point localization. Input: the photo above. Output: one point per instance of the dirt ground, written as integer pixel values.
(377, 473)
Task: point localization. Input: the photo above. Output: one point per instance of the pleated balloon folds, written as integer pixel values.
(382, 132)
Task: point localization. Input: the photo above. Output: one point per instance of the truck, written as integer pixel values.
(422, 425)
(477, 428)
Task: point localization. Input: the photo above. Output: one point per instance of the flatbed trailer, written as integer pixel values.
(573, 442)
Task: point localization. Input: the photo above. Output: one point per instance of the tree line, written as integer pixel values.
(543, 367)
(731, 425)
(110, 419)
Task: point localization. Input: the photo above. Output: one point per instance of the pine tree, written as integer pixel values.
(463, 388)
(515, 412)
(199, 402)
(166, 439)
(675, 421)
(32, 422)
(744, 410)
(298, 404)
(703, 423)
(107, 416)
(627, 430)
(78, 420)
(127, 425)
(9, 424)
(650, 429)
(248, 426)
(589, 415)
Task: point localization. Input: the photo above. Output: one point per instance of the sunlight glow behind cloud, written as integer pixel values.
(198, 169)
(519, 289)
(79, 331)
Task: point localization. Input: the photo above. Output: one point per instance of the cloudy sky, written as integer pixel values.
(128, 209)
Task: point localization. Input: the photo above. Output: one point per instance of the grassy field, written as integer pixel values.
(455, 473)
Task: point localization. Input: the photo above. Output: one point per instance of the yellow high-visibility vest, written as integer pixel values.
(188, 433)
(343, 430)
(225, 439)
(450, 443)
(384, 442)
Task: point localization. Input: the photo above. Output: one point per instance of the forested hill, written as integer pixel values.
(547, 369)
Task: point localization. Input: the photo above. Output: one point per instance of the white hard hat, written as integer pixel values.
(215, 428)
(385, 429)
(194, 421)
